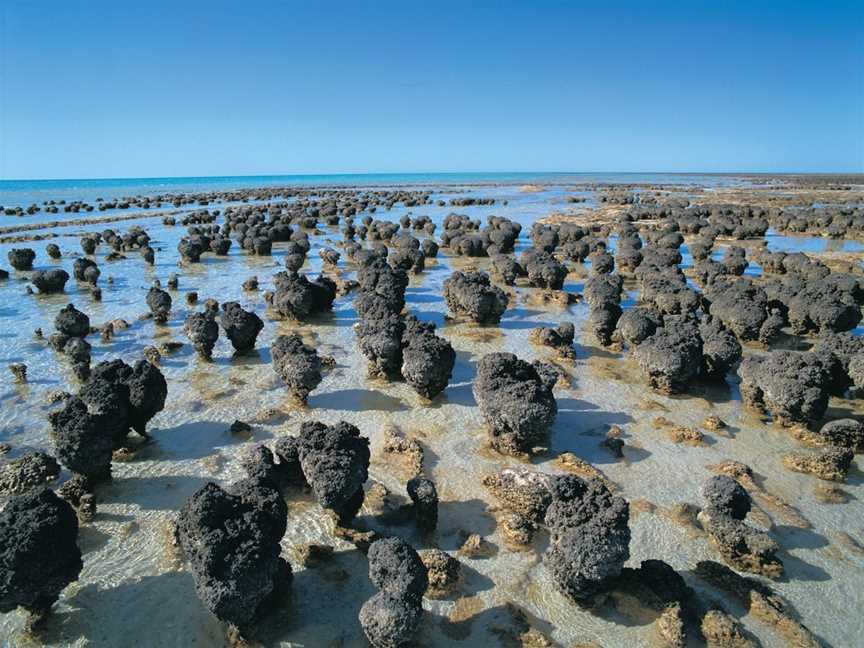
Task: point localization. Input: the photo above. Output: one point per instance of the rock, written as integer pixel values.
(544, 270)
(559, 338)
(507, 268)
(831, 465)
(39, 554)
(390, 621)
(725, 496)
(792, 386)
(379, 334)
(672, 357)
(517, 405)
(289, 469)
(299, 299)
(335, 462)
(637, 324)
(83, 441)
(241, 326)
(425, 498)
(602, 321)
(21, 258)
(427, 359)
(88, 244)
(523, 492)
(472, 295)
(50, 281)
(743, 546)
(53, 251)
(231, 541)
(72, 322)
(391, 617)
(590, 536)
(382, 288)
(843, 433)
(159, 303)
(203, 332)
(28, 472)
(741, 306)
(444, 572)
(86, 270)
(721, 350)
(297, 364)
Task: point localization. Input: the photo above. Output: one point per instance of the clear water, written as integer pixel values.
(132, 592)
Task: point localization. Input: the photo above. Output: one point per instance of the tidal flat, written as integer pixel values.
(716, 330)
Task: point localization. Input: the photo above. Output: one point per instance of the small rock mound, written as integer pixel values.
(39, 553)
(515, 400)
(391, 617)
(297, 364)
(231, 541)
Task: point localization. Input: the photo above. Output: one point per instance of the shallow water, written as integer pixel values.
(131, 590)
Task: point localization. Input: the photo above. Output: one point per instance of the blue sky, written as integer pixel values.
(114, 89)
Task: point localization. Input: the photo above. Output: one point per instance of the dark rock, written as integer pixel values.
(72, 322)
(517, 405)
(391, 617)
(39, 554)
(86, 270)
(297, 364)
(792, 386)
(299, 299)
(672, 357)
(471, 294)
(231, 541)
(159, 303)
(21, 258)
(425, 497)
(335, 462)
(241, 326)
(590, 536)
(50, 281)
(427, 359)
(203, 332)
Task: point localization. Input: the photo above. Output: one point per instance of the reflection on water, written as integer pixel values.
(129, 575)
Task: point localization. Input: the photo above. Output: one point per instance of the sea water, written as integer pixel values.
(132, 591)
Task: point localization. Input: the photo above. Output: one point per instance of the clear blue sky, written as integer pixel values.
(113, 89)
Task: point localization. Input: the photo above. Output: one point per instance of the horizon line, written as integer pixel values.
(421, 173)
